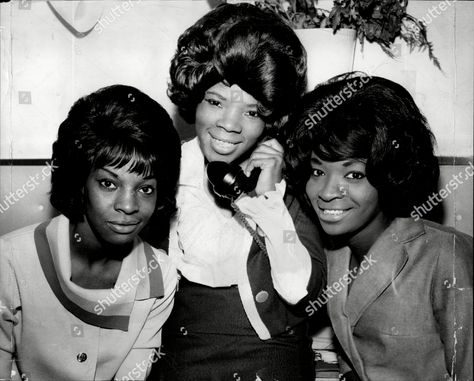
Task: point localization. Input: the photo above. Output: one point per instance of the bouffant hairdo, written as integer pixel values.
(369, 118)
(112, 127)
(244, 45)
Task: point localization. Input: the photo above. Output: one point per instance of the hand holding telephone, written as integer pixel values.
(229, 180)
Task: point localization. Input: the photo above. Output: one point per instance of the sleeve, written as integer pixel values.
(309, 234)
(147, 348)
(9, 310)
(452, 304)
(291, 263)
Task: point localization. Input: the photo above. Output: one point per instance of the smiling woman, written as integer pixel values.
(237, 74)
(227, 123)
(116, 164)
(362, 169)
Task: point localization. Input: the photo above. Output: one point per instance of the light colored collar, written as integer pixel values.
(97, 307)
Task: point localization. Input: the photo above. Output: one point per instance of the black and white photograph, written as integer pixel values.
(227, 190)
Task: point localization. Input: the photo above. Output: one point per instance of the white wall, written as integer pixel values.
(136, 39)
(38, 55)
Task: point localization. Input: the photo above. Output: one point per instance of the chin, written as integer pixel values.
(120, 240)
(214, 156)
(334, 230)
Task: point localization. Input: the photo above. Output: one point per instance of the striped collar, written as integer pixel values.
(140, 278)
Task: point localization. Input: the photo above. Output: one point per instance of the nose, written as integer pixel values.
(230, 119)
(332, 189)
(126, 202)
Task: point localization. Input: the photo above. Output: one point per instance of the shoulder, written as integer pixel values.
(18, 241)
(443, 229)
(453, 249)
(190, 149)
(296, 210)
(18, 251)
(19, 234)
(431, 233)
(446, 236)
(192, 163)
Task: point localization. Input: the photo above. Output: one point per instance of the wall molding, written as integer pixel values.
(442, 160)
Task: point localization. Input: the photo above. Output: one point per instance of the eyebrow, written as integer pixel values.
(220, 96)
(350, 162)
(346, 163)
(109, 171)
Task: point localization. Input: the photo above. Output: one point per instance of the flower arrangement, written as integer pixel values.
(379, 21)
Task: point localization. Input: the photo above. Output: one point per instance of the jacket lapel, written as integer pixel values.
(338, 269)
(386, 259)
(384, 262)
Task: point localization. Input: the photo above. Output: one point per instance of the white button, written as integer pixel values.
(261, 297)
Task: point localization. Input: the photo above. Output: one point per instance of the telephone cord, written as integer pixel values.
(241, 216)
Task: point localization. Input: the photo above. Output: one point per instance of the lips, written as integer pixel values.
(332, 214)
(123, 227)
(223, 146)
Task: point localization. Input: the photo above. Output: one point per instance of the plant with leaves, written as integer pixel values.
(379, 21)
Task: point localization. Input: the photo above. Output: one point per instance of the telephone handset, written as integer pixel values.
(229, 180)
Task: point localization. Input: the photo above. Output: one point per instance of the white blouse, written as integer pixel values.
(211, 248)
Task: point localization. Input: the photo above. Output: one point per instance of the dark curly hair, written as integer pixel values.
(111, 127)
(244, 45)
(371, 118)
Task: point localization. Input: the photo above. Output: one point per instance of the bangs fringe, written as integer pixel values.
(337, 145)
(141, 162)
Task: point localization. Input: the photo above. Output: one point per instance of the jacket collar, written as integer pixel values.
(103, 308)
(383, 263)
(385, 259)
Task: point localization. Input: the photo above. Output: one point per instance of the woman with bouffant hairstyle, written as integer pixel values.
(241, 45)
(248, 266)
(403, 306)
(82, 297)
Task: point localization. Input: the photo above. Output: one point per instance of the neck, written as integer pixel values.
(86, 245)
(361, 241)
